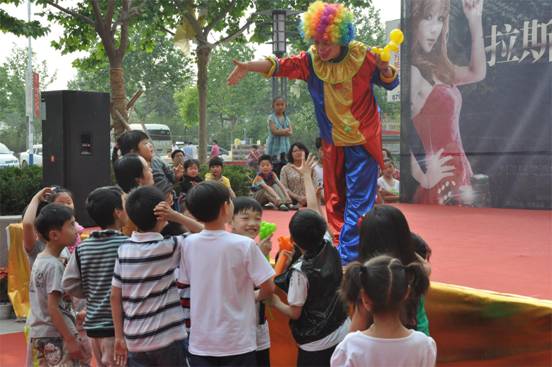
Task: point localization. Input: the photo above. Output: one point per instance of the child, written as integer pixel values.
(247, 222)
(389, 187)
(143, 277)
(267, 187)
(53, 335)
(385, 230)
(222, 270)
(318, 317)
(89, 272)
(382, 284)
(253, 157)
(131, 171)
(31, 241)
(216, 166)
(190, 179)
(279, 129)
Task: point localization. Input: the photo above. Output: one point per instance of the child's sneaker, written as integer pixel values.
(283, 208)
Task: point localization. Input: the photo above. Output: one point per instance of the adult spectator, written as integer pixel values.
(290, 176)
(215, 150)
(178, 157)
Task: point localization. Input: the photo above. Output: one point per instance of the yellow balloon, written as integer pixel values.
(393, 46)
(385, 55)
(396, 36)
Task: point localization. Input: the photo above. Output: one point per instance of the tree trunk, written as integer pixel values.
(202, 62)
(118, 98)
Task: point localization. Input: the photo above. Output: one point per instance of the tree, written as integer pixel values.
(12, 97)
(109, 20)
(152, 64)
(17, 26)
(202, 21)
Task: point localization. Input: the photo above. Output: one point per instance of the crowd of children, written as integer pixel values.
(165, 284)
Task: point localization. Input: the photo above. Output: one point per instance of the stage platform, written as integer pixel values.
(501, 250)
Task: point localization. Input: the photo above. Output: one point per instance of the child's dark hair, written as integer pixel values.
(173, 153)
(216, 161)
(420, 246)
(384, 230)
(265, 157)
(190, 162)
(254, 146)
(300, 146)
(57, 191)
(386, 282)
(307, 229)
(128, 142)
(205, 199)
(52, 217)
(388, 152)
(101, 204)
(318, 143)
(128, 169)
(245, 203)
(140, 204)
(277, 98)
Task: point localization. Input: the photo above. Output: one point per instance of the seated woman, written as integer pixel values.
(292, 178)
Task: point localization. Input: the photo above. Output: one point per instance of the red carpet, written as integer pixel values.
(503, 250)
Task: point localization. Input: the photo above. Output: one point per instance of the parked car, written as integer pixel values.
(7, 159)
(37, 156)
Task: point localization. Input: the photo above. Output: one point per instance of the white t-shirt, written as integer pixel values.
(359, 349)
(297, 296)
(394, 188)
(222, 269)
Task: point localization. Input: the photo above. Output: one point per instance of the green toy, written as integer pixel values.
(267, 229)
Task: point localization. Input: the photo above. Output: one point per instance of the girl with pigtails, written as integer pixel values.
(381, 285)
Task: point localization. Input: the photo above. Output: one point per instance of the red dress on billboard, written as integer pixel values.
(437, 125)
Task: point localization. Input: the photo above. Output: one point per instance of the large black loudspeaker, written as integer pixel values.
(76, 144)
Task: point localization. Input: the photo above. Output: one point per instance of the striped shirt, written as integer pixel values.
(145, 272)
(88, 275)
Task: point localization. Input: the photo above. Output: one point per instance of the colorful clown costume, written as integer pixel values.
(350, 129)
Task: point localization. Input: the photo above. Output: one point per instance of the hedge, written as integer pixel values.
(18, 185)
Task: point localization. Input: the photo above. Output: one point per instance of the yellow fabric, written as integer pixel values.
(272, 69)
(19, 272)
(338, 99)
(342, 71)
(223, 179)
(472, 327)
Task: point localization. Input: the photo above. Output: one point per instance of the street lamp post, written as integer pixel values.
(279, 49)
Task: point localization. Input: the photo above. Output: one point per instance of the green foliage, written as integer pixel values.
(18, 185)
(240, 177)
(12, 98)
(17, 26)
(153, 65)
(188, 105)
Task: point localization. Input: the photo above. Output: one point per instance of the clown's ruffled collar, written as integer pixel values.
(343, 70)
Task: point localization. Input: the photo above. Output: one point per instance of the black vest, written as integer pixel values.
(323, 311)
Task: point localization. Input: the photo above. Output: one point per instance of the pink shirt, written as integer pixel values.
(215, 151)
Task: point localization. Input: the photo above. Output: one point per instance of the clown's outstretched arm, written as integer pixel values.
(242, 68)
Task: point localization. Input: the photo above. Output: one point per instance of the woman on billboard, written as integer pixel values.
(444, 175)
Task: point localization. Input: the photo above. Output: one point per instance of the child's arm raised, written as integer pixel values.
(29, 234)
(60, 325)
(165, 212)
(120, 352)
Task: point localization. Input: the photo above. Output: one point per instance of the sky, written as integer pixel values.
(61, 64)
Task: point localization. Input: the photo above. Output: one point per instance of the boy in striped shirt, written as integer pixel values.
(144, 289)
(89, 272)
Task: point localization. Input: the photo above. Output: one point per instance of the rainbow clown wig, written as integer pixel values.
(323, 22)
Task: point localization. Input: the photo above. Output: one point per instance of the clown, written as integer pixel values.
(340, 74)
